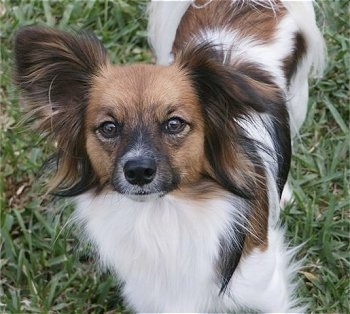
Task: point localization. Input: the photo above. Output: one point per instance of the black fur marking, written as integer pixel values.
(231, 253)
(85, 182)
(282, 144)
(142, 136)
(291, 63)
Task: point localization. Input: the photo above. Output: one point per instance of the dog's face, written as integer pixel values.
(144, 129)
(147, 130)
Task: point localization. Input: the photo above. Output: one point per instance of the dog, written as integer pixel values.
(177, 169)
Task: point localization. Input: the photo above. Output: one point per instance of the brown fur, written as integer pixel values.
(54, 69)
(144, 94)
(257, 237)
(248, 20)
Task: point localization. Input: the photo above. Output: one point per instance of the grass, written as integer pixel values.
(42, 268)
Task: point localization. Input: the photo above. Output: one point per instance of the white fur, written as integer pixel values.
(166, 249)
(164, 18)
(166, 252)
(255, 130)
(312, 65)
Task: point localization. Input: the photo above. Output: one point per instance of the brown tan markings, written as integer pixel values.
(247, 19)
(145, 95)
(257, 235)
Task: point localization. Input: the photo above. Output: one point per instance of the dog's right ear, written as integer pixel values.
(54, 70)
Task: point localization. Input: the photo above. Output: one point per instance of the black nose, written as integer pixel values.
(140, 171)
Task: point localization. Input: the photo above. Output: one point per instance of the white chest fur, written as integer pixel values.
(166, 252)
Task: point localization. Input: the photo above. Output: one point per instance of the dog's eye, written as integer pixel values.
(174, 125)
(108, 129)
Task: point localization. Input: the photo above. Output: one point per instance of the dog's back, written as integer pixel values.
(280, 35)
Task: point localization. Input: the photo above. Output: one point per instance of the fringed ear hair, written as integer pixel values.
(54, 70)
(232, 92)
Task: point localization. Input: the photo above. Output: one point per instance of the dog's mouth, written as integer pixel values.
(140, 193)
(145, 196)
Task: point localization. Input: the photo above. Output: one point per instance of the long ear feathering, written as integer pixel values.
(54, 71)
(230, 93)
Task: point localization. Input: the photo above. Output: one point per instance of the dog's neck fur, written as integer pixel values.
(159, 274)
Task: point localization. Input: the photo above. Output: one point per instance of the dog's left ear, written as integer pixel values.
(229, 93)
(54, 71)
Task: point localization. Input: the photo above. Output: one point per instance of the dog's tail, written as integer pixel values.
(304, 16)
(164, 18)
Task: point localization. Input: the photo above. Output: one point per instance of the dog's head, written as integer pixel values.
(143, 129)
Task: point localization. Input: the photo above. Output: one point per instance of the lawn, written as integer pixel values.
(43, 269)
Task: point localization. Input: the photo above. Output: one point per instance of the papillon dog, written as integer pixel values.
(177, 169)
